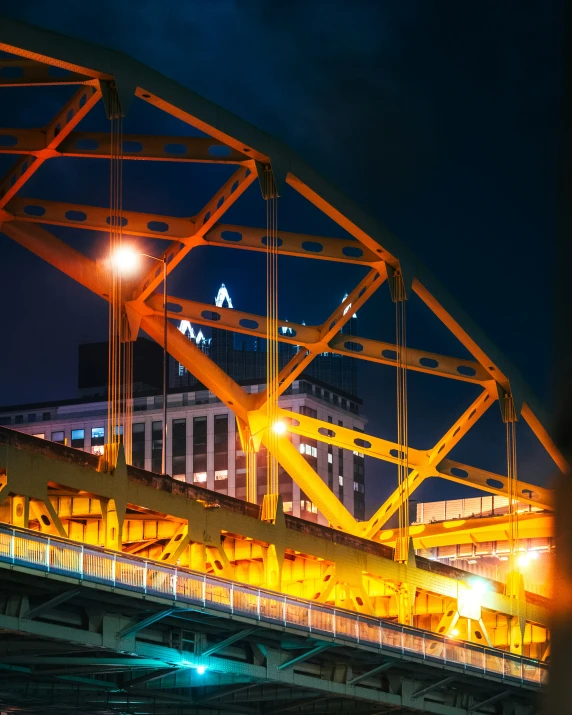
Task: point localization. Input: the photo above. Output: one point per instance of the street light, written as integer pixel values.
(125, 261)
(279, 427)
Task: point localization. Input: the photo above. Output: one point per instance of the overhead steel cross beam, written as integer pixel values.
(140, 147)
(169, 228)
(308, 336)
(30, 73)
(424, 468)
(345, 438)
(472, 530)
(96, 218)
(422, 462)
(360, 294)
(495, 483)
(203, 221)
(56, 131)
(292, 244)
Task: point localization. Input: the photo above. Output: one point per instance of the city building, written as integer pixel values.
(203, 445)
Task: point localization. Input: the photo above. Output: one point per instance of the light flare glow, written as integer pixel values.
(279, 427)
(125, 260)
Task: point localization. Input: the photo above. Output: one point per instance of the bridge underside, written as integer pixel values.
(67, 644)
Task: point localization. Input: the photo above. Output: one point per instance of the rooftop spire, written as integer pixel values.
(348, 306)
(223, 295)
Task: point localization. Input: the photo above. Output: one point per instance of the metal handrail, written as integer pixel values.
(97, 565)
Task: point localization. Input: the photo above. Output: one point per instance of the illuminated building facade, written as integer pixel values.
(203, 446)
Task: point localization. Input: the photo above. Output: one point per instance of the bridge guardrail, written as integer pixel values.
(94, 564)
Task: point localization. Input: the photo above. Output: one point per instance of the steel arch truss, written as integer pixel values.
(49, 59)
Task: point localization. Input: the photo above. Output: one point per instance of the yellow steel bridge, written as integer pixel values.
(363, 568)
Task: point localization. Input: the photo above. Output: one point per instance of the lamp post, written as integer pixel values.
(125, 261)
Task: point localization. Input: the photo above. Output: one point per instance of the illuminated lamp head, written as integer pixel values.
(279, 427)
(125, 260)
(201, 669)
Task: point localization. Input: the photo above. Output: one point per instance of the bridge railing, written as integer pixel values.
(94, 564)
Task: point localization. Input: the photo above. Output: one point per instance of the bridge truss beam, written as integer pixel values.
(226, 537)
(369, 245)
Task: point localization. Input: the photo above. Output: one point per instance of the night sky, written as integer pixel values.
(439, 118)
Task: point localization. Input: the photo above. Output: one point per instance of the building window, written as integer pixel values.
(58, 437)
(19, 419)
(179, 447)
(97, 437)
(287, 506)
(157, 447)
(6, 420)
(344, 404)
(308, 411)
(308, 506)
(359, 478)
(46, 416)
(199, 447)
(200, 477)
(330, 457)
(341, 480)
(97, 440)
(309, 450)
(39, 435)
(138, 445)
(221, 443)
(221, 475)
(78, 438)
(32, 417)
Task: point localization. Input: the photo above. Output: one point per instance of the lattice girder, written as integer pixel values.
(373, 246)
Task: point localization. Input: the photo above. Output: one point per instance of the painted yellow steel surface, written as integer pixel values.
(58, 490)
(58, 493)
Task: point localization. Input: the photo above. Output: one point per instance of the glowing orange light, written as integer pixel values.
(125, 260)
(279, 427)
(523, 560)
